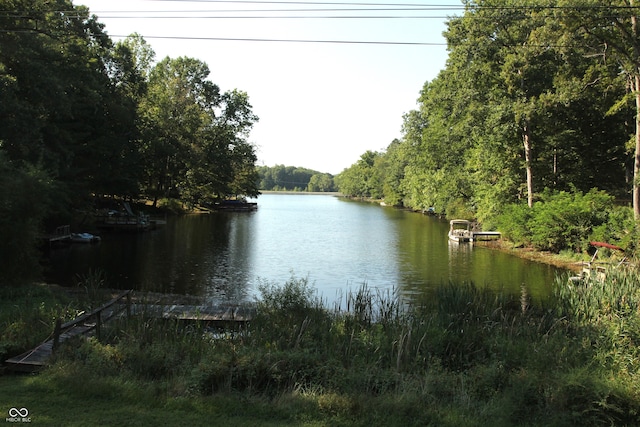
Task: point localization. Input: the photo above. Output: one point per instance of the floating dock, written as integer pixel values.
(486, 235)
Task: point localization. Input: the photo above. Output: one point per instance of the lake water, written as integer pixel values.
(338, 244)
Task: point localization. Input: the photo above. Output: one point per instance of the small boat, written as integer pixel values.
(84, 238)
(460, 231)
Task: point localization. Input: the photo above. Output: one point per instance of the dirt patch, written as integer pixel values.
(533, 255)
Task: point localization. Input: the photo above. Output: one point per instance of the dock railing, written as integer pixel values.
(60, 328)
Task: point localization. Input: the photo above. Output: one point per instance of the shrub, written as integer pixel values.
(289, 315)
(514, 224)
(560, 220)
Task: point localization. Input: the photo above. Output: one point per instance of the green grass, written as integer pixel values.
(464, 357)
(60, 399)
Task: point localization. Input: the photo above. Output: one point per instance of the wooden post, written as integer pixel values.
(98, 324)
(128, 305)
(56, 335)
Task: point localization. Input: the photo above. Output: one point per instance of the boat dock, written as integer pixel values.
(486, 235)
(234, 206)
(85, 324)
(461, 231)
(61, 234)
(216, 314)
(120, 306)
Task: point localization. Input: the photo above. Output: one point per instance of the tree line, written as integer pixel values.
(292, 178)
(84, 116)
(537, 100)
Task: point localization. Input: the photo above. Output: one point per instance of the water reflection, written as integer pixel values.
(337, 244)
(459, 260)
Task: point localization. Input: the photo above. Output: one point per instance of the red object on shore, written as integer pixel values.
(606, 245)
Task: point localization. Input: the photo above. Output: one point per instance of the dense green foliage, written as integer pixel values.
(82, 116)
(569, 220)
(291, 178)
(462, 356)
(25, 196)
(516, 116)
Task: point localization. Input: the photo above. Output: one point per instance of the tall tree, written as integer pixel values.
(194, 138)
(61, 108)
(497, 39)
(174, 114)
(610, 37)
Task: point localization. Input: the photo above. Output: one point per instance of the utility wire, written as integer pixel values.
(450, 7)
(462, 7)
(308, 3)
(287, 40)
(69, 14)
(271, 17)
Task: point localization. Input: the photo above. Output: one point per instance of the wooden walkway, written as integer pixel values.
(61, 235)
(38, 357)
(206, 313)
(486, 235)
(90, 323)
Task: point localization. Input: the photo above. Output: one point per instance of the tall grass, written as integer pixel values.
(27, 316)
(464, 356)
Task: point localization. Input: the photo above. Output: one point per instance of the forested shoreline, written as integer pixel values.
(293, 178)
(530, 128)
(86, 117)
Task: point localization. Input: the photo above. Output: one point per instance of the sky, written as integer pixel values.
(321, 102)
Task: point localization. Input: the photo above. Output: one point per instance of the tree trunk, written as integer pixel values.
(526, 140)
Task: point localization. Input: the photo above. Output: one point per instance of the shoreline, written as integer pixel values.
(533, 255)
(499, 245)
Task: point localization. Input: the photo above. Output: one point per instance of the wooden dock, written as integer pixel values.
(91, 323)
(486, 235)
(62, 234)
(88, 323)
(204, 313)
(38, 357)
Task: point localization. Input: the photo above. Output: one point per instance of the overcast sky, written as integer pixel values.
(321, 105)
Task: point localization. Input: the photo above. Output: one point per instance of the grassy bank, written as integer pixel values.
(464, 356)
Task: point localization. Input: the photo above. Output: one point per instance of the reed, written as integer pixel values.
(473, 355)
(27, 316)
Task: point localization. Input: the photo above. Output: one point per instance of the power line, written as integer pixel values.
(366, 7)
(449, 7)
(288, 40)
(274, 17)
(307, 3)
(324, 9)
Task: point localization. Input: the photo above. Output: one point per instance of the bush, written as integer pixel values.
(289, 315)
(560, 220)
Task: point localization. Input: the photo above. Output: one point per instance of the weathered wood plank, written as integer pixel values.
(39, 356)
(220, 313)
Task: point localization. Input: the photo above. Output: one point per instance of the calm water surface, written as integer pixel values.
(336, 243)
